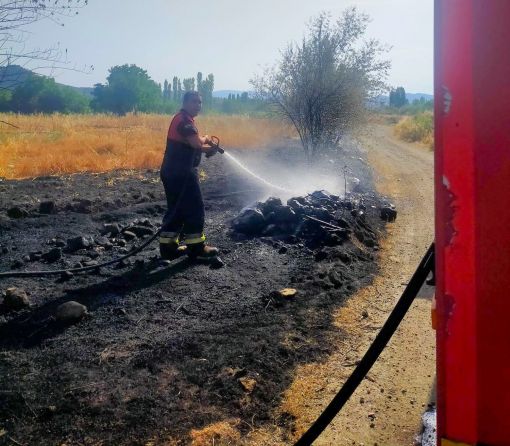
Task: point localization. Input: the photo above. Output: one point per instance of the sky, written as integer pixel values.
(233, 39)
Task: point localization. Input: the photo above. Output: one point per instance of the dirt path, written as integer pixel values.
(387, 408)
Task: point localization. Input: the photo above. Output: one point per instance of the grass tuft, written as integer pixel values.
(217, 434)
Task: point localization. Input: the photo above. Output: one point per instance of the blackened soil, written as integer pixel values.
(165, 346)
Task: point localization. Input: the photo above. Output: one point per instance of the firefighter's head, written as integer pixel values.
(192, 102)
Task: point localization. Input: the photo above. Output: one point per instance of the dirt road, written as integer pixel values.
(387, 408)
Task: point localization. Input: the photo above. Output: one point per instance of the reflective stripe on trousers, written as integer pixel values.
(192, 239)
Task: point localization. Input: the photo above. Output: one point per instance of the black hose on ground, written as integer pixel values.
(58, 272)
(140, 248)
(373, 352)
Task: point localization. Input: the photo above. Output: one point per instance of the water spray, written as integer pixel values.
(216, 148)
(254, 175)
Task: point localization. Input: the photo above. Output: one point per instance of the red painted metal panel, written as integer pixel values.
(472, 118)
(455, 184)
(491, 82)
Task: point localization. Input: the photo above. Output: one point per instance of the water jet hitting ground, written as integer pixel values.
(286, 178)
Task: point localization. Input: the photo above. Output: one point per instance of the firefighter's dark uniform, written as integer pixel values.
(179, 173)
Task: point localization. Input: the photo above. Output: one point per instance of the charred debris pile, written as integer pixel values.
(317, 220)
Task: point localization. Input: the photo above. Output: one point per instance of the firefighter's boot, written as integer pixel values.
(169, 247)
(201, 251)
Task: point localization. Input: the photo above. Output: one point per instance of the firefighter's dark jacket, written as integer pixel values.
(180, 157)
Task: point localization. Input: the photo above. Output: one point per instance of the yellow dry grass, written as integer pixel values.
(418, 128)
(218, 434)
(63, 144)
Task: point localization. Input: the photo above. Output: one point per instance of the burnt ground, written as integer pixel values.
(165, 347)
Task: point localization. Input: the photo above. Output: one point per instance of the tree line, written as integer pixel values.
(128, 88)
(399, 103)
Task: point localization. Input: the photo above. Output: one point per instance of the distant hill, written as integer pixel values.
(385, 100)
(12, 75)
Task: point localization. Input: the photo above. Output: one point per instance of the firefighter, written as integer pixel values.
(185, 208)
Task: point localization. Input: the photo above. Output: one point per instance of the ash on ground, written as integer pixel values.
(429, 434)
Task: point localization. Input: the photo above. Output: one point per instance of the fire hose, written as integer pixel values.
(374, 351)
(57, 272)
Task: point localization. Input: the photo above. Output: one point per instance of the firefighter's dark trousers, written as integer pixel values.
(185, 213)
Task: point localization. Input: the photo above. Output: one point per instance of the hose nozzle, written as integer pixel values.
(215, 144)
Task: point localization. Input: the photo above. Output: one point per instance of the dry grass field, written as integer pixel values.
(62, 144)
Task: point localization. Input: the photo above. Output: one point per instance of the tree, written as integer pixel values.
(321, 85)
(179, 91)
(166, 90)
(15, 16)
(5, 100)
(199, 82)
(75, 102)
(128, 88)
(398, 97)
(207, 89)
(174, 87)
(189, 84)
(41, 94)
